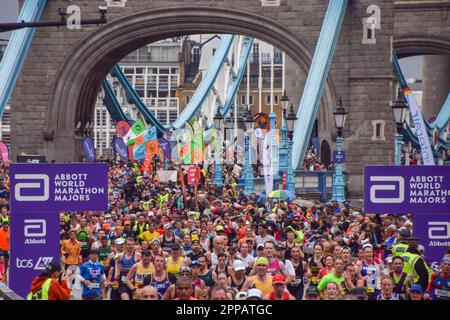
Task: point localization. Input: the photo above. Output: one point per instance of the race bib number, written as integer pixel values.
(441, 293)
(124, 279)
(296, 282)
(94, 285)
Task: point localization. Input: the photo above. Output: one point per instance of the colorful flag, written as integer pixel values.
(197, 142)
(146, 145)
(136, 130)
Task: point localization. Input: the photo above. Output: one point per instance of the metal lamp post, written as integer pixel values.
(400, 110)
(249, 186)
(284, 147)
(340, 115)
(218, 121)
(291, 119)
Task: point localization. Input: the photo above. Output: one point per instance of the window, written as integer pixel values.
(378, 130)
(243, 99)
(214, 51)
(188, 98)
(276, 100)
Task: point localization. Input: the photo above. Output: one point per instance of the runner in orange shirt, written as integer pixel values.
(4, 249)
(71, 250)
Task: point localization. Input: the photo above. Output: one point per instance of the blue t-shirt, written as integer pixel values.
(94, 273)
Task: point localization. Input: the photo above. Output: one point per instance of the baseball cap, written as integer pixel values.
(279, 278)
(176, 246)
(238, 265)
(281, 247)
(290, 215)
(254, 293)
(155, 240)
(194, 263)
(367, 245)
(358, 291)
(416, 288)
(168, 226)
(106, 226)
(312, 290)
(119, 241)
(262, 260)
(404, 233)
(219, 228)
(51, 268)
(259, 246)
(185, 269)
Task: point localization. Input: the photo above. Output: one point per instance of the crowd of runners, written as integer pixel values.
(169, 241)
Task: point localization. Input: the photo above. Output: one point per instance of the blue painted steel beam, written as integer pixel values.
(320, 66)
(131, 93)
(112, 104)
(206, 84)
(234, 86)
(17, 49)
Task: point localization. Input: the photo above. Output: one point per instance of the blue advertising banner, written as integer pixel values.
(434, 234)
(338, 156)
(121, 148)
(89, 149)
(35, 243)
(407, 189)
(59, 187)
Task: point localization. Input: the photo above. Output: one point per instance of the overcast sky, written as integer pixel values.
(8, 13)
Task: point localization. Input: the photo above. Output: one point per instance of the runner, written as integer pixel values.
(402, 280)
(124, 263)
(93, 277)
(337, 277)
(387, 287)
(262, 280)
(140, 273)
(439, 286)
(369, 271)
(296, 285)
(279, 289)
(315, 264)
(160, 280)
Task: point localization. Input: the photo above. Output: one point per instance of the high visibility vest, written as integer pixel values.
(4, 219)
(42, 294)
(410, 260)
(399, 249)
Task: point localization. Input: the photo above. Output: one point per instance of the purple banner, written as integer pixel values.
(59, 186)
(121, 148)
(434, 234)
(35, 243)
(89, 149)
(165, 147)
(407, 189)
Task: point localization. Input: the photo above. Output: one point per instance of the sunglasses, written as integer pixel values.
(261, 265)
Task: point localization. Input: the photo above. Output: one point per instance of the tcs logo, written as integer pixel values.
(41, 263)
(439, 230)
(42, 182)
(391, 183)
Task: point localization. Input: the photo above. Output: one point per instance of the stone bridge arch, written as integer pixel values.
(80, 76)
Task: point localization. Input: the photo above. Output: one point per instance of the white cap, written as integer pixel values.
(254, 293)
(119, 241)
(238, 265)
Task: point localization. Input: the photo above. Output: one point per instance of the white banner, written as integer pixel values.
(268, 164)
(167, 175)
(421, 130)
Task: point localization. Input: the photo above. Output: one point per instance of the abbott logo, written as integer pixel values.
(35, 228)
(387, 187)
(439, 230)
(43, 183)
